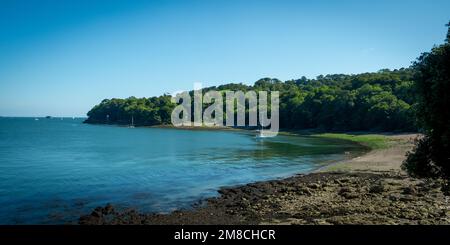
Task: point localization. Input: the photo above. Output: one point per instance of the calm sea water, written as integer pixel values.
(54, 170)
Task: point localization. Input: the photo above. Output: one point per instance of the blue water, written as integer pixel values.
(54, 170)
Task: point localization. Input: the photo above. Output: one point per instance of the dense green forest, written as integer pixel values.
(145, 111)
(379, 101)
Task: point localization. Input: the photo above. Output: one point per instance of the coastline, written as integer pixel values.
(387, 158)
(369, 189)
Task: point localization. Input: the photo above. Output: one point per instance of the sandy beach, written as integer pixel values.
(369, 189)
(387, 159)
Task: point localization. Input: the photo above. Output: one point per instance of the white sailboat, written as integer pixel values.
(132, 122)
(260, 134)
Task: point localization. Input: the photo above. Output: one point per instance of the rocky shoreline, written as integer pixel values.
(349, 193)
(318, 198)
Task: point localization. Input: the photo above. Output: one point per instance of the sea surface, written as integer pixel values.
(54, 170)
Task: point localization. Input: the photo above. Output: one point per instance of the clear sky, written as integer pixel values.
(61, 57)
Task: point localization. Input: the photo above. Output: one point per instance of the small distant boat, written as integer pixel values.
(48, 117)
(260, 134)
(36, 119)
(132, 122)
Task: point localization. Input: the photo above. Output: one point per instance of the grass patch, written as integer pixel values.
(373, 141)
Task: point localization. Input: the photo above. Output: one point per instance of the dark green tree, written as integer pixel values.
(431, 156)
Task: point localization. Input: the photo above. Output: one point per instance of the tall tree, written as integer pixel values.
(431, 156)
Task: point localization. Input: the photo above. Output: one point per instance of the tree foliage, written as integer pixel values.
(380, 101)
(151, 111)
(431, 156)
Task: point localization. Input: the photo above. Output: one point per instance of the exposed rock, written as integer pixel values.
(410, 190)
(377, 188)
(109, 209)
(314, 186)
(98, 212)
(303, 191)
(320, 198)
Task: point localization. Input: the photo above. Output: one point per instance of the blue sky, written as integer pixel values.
(62, 57)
